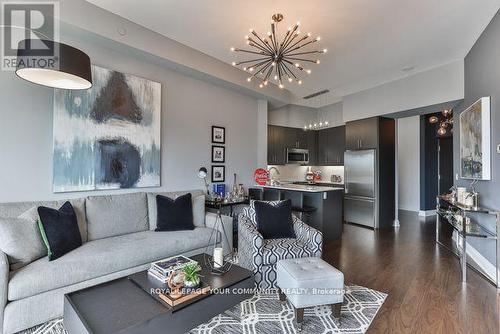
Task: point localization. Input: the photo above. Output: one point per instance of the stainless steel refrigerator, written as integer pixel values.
(360, 201)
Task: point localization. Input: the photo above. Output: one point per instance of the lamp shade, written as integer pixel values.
(67, 68)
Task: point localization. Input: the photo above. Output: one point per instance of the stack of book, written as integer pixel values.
(162, 269)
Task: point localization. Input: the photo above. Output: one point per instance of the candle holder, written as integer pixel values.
(225, 266)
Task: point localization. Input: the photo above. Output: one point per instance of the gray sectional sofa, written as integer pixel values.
(118, 239)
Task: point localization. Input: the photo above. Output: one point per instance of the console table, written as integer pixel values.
(468, 223)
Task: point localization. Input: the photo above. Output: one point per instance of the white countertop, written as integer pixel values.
(304, 188)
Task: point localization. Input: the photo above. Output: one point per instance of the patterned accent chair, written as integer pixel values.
(260, 255)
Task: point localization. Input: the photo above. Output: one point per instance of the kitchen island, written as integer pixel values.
(321, 207)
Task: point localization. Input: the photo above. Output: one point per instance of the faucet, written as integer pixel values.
(273, 182)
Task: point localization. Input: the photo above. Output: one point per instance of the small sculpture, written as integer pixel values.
(175, 283)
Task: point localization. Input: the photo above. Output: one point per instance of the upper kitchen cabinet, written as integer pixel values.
(331, 146)
(295, 138)
(362, 134)
(312, 146)
(276, 145)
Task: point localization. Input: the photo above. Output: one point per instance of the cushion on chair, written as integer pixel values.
(274, 221)
(279, 249)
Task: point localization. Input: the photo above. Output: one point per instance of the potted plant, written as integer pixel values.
(191, 276)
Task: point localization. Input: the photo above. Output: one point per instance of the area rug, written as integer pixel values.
(264, 313)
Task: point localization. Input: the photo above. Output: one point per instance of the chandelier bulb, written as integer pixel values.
(308, 71)
(297, 65)
(281, 86)
(325, 50)
(289, 79)
(248, 42)
(326, 122)
(310, 125)
(300, 82)
(289, 28)
(320, 123)
(275, 77)
(318, 38)
(251, 30)
(298, 23)
(308, 34)
(249, 79)
(233, 63)
(232, 49)
(265, 83)
(247, 37)
(305, 127)
(274, 63)
(269, 34)
(244, 68)
(317, 61)
(261, 85)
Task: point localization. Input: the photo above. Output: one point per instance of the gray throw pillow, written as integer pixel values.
(21, 240)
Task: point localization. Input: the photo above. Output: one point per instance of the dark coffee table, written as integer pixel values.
(121, 306)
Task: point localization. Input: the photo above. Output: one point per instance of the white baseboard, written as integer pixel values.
(427, 213)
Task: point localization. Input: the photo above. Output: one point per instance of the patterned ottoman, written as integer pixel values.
(309, 282)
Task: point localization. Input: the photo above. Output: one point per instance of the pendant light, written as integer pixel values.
(68, 69)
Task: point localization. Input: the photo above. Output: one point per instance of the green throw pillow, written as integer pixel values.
(44, 237)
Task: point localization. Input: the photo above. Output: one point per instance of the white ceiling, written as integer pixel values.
(369, 41)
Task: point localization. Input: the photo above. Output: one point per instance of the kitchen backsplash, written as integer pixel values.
(298, 173)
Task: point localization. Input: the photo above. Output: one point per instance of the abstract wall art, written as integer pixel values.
(107, 137)
(475, 142)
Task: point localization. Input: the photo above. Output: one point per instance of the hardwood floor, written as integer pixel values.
(422, 280)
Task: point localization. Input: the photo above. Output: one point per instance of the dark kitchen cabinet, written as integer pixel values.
(312, 146)
(322, 147)
(276, 145)
(331, 146)
(295, 138)
(362, 134)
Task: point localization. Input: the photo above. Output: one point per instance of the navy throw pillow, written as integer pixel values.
(274, 221)
(174, 214)
(61, 229)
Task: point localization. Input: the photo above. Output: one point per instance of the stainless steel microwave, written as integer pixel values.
(297, 156)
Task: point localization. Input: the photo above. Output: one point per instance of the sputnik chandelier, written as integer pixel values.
(278, 60)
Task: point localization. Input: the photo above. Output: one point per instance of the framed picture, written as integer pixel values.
(218, 153)
(218, 173)
(123, 148)
(218, 134)
(475, 141)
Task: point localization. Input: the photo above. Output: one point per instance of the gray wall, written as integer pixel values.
(482, 78)
(189, 108)
(409, 163)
